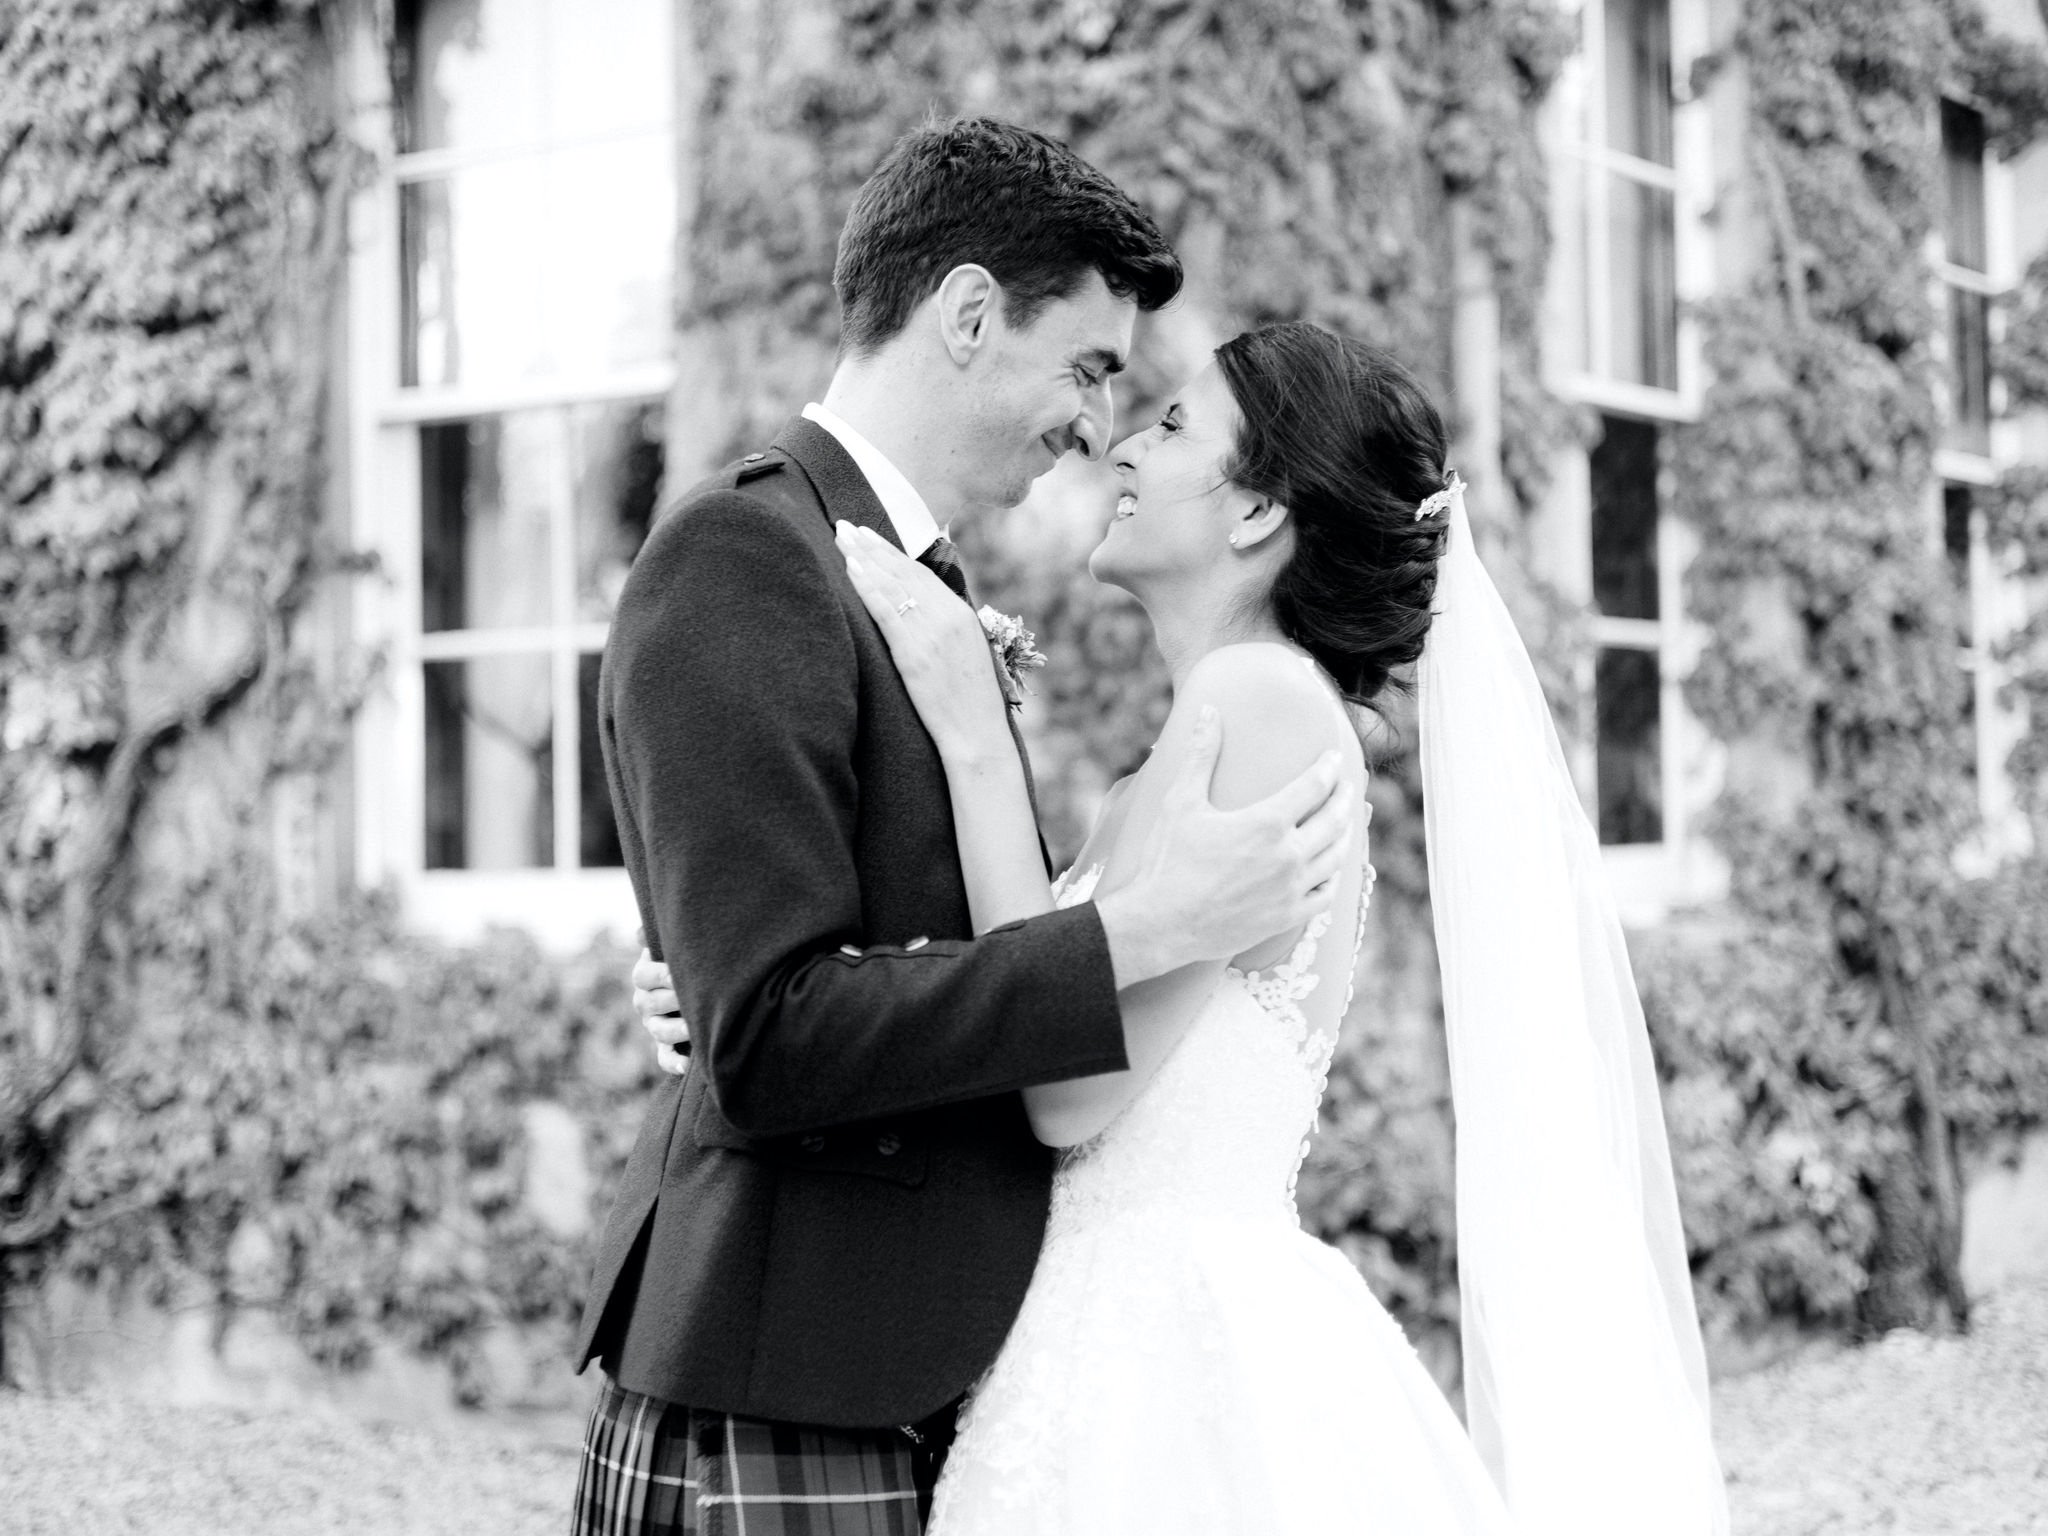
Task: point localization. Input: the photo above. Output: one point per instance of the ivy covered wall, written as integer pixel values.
(1862, 1009)
(179, 1038)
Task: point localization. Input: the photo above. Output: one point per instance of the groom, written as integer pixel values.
(825, 1230)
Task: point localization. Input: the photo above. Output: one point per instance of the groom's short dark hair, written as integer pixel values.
(1023, 205)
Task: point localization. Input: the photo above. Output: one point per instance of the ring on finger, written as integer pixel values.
(906, 605)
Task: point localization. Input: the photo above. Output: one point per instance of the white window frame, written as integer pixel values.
(564, 906)
(1648, 879)
(1577, 131)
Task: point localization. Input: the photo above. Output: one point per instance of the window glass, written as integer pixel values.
(618, 468)
(1642, 297)
(489, 750)
(1629, 753)
(489, 489)
(1638, 39)
(1624, 473)
(597, 828)
(1957, 504)
(1969, 340)
(538, 266)
(507, 501)
(494, 74)
(1962, 153)
(485, 520)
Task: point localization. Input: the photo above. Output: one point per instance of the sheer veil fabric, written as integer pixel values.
(1585, 1381)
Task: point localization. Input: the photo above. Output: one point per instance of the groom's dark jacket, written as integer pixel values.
(833, 1217)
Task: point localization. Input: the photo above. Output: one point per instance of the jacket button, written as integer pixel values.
(812, 1143)
(888, 1145)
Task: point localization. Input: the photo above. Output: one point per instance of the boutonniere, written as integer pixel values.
(1015, 649)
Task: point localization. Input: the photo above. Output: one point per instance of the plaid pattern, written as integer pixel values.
(652, 1468)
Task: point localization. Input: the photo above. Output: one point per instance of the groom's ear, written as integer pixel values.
(968, 299)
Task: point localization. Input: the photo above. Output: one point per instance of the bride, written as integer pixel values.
(1187, 1359)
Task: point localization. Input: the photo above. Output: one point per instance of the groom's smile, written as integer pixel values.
(1046, 383)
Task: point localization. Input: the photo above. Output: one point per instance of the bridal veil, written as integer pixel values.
(1585, 1381)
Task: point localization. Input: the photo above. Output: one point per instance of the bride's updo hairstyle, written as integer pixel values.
(1341, 435)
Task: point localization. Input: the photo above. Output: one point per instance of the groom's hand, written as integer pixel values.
(1210, 883)
(654, 999)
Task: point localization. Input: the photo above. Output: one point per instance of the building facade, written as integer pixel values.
(516, 400)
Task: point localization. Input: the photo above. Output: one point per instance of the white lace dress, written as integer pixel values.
(1188, 1360)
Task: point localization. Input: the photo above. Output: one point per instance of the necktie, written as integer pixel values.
(943, 560)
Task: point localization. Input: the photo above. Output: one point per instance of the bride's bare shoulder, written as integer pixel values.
(1278, 715)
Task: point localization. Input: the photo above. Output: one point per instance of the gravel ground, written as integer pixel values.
(1909, 1436)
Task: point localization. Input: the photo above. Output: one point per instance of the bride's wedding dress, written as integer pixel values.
(1188, 1360)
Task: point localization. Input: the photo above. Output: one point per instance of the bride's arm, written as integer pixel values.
(1277, 718)
(962, 705)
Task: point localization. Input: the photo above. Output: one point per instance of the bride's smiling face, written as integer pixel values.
(1175, 510)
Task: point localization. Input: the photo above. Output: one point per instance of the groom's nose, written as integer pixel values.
(1096, 424)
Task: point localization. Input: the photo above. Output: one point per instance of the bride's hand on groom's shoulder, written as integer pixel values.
(655, 1000)
(938, 645)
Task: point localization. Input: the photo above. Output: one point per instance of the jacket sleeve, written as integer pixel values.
(734, 687)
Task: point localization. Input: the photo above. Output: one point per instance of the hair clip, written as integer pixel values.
(1431, 505)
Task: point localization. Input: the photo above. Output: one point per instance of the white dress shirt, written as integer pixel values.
(915, 526)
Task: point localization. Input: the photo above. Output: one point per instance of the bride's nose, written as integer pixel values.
(1124, 457)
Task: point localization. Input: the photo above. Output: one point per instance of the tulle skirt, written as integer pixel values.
(1176, 1372)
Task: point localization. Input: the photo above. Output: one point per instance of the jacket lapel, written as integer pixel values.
(835, 477)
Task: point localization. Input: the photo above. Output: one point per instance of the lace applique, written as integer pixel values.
(1280, 991)
(1070, 890)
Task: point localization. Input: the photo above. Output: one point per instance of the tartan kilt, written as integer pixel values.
(653, 1468)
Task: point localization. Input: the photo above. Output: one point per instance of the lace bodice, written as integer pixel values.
(1221, 1130)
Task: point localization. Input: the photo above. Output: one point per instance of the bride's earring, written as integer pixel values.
(1233, 541)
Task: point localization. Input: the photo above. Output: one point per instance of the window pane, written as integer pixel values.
(1624, 466)
(598, 835)
(485, 489)
(476, 74)
(538, 267)
(1956, 506)
(1955, 533)
(489, 763)
(618, 478)
(1642, 300)
(1639, 78)
(1962, 153)
(1627, 704)
(1969, 341)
